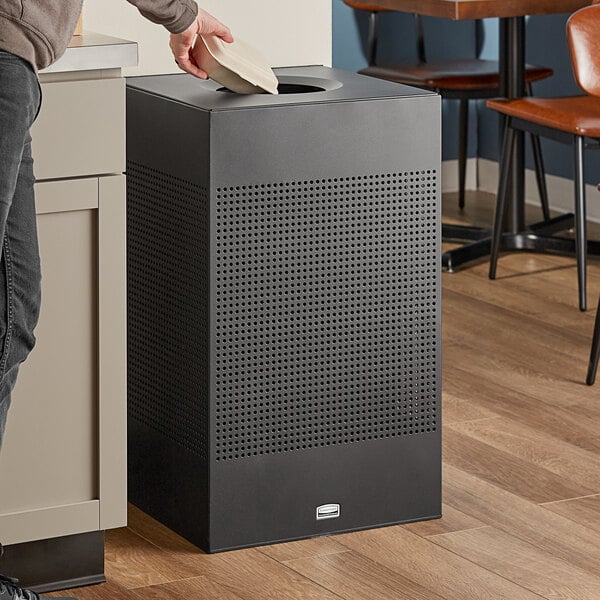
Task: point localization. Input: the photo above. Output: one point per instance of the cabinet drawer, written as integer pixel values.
(64, 196)
(80, 129)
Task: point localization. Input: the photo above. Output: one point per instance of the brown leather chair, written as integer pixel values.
(464, 79)
(570, 120)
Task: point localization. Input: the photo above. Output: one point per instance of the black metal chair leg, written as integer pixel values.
(595, 352)
(463, 138)
(373, 37)
(580, 223)
(508, 145)
(540, 173)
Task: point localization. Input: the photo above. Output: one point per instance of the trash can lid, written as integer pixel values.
(297, 86)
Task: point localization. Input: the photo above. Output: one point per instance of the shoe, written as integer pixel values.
(9, 590)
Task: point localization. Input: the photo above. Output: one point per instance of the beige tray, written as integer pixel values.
(238, 67)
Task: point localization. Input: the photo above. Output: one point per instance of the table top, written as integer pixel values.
(481, 9)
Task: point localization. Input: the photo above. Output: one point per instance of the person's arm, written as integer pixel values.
(185, 21)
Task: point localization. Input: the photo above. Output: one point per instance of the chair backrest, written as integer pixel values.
(373, 38)
(583, 29)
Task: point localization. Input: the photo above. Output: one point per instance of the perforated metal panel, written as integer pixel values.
(326, 312)
(168, 240)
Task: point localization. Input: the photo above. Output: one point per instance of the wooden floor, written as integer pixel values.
(521, 476)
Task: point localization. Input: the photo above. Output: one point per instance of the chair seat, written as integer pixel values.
(465, 74)
(579, 115)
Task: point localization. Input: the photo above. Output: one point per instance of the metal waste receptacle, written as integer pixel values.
(284, 306)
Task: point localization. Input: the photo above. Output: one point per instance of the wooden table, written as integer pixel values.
(481, 9)
(512, 63)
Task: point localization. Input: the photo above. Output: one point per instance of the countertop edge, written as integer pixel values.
(92, 51)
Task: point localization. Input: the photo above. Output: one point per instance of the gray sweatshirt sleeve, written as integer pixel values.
(175, 15)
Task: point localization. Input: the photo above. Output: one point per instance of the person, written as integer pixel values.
(32, 36)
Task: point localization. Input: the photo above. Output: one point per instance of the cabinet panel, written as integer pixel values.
(55, 402)
(51, 522)
(112, 348)
(62, 196)
(79, 131)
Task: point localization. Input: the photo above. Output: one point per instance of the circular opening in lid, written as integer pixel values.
(298, 88)
(289, 88)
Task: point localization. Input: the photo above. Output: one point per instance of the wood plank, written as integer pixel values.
(436, 569)
(520, 289)
(507, 471)
(158, 534)
(572, 464)
(177, 549)
(197, 588)
(562, 359)
(134, 562)
(103, 591)
(467, 317)
(576, 424)
(249, 573)
(452, 520)
(256, 576)
(458, 408)
(522, 564)
(524, 520)
(586, 412)
(356, 577)
(585, 511)
(314, 547)
(524, 374)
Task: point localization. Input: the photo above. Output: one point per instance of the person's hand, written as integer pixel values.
(184, 45)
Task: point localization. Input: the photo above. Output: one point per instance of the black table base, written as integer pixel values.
(512, 85)
(480, 246)
(535, 238)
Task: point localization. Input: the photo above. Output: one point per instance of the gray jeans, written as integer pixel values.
(20, 276)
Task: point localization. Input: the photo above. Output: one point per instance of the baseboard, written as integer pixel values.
(450, 175)
(560, 189)
(56, 563)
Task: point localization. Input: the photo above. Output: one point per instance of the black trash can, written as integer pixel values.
(284, 306)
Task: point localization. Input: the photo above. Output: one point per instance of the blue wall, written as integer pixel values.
(398, 39)
(546, 45)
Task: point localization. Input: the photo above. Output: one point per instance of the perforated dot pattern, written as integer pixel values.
(168, 320)
(326, 313)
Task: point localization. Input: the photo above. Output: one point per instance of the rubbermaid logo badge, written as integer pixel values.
(328, 511)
